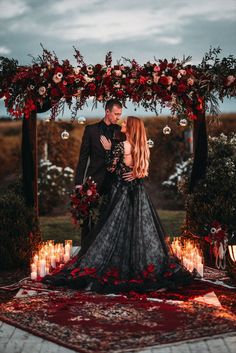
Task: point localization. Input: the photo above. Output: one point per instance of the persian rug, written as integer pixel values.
(88, 322)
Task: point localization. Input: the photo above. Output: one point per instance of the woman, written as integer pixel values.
(129, 251)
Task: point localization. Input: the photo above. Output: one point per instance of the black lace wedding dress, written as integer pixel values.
(128, 251)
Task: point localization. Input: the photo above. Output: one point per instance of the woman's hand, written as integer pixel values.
(128, 176)
(105, 142)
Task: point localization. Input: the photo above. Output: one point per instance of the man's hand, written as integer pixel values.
(105, 142)
(128, 176)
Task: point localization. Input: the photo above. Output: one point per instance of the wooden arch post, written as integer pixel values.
(30, 160)
(29, 151)
(200, 149)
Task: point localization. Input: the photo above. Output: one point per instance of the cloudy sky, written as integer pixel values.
(131, 28)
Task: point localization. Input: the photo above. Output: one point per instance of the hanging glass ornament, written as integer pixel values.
(183, 122)
(65, 135)
(81, 120)
(166, 130)
(150, 143)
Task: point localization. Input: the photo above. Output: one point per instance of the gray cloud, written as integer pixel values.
(133, 29)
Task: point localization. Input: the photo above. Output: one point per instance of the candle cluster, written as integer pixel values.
(49, 256)
(190, 254)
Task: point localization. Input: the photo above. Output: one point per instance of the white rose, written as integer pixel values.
(42, 90)
(57, 78)
(117, 84)
(88, 79)
(182, 72)
(77, 70)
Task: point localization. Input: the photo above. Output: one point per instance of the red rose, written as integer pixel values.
(163, 65)
(98, 67)
(182, 87)
(120, 93)
(151, 268)
(199, 106)
(143, 80)
(75, 272)
(92, 88)
(192, 116)
(58, 69)
(55, 92)
(165, 80)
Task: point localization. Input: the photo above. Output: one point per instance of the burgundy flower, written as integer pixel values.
(151, 268)
(165, 80)
(163, 65)
(181, 88)
(120, 93)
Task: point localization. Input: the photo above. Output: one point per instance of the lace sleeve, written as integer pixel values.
(113, 157)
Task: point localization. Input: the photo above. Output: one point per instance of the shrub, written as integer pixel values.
(19, 233)
(214, 198)
(55, 184)
(174, 182)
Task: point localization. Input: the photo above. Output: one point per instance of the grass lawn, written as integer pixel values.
(60, 228)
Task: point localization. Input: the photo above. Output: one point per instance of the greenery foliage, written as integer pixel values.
(214, 197)
(55, 184)
(19, 233)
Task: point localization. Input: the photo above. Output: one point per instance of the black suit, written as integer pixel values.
(92, 154)
(92, 162)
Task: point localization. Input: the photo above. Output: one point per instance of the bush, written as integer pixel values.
(173, 183)
(19, 233)
(214, 198)
(55, 184)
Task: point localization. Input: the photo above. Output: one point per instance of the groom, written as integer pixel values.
(92, 154)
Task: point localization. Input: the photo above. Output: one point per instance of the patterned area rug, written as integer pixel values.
(88, 322)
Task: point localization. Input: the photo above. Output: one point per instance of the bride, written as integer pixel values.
(128, 251)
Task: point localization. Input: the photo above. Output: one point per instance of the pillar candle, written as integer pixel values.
(33, 275)
(42, 268)
(53, 261)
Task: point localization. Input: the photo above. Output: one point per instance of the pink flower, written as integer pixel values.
(117, 72)
(89, 192)
(230, 80)
(155, 77)
(156, 68)
(108, 72)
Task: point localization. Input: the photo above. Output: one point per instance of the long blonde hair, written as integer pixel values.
(139, 147)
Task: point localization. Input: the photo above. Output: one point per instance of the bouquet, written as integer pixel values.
(84, 202)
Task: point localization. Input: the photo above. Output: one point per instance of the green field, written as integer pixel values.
(60, 228)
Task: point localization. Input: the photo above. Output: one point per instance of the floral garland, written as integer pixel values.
(186, 89)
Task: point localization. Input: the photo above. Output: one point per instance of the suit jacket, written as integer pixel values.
(92, 155)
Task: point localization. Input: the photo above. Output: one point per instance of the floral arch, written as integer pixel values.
(187, 90)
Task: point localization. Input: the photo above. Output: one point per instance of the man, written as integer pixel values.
(92, 154)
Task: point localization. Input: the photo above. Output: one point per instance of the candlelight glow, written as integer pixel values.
(190, 254)
(49, 256)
